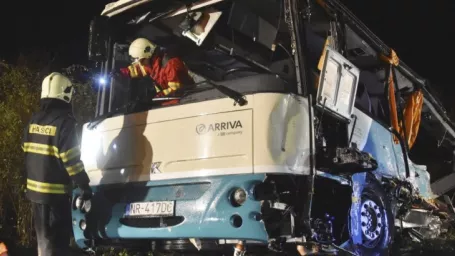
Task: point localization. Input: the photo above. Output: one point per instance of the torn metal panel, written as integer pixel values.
(121, 6)
(444, 185)
(424, 223)
(433, 110)
(420, 178)
(339, 179)
(288, 135)
(117, 7)
(377, 140)
(402, 81)
(373, 138)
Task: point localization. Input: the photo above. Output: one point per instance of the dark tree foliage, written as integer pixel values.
(19, 97)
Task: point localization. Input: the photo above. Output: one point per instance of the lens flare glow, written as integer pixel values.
(102, 80)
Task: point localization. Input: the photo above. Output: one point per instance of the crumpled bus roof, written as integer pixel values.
(120, 6)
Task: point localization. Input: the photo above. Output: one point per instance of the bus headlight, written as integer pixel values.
(82, 225)
(83, 206)
(238, 197)
(78, 203)
(87, 206)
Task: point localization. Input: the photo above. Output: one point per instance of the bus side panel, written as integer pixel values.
(375, 139)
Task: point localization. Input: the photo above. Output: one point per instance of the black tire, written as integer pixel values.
(373, 220)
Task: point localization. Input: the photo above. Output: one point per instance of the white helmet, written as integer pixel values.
(141, 48)
(57, 86)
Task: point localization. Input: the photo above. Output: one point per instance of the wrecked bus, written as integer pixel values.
(295, 136)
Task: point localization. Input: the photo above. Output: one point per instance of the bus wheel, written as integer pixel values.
(371, 221)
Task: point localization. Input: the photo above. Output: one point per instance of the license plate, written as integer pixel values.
(152, 209)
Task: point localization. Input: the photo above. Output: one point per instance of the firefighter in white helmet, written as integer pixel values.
(168, 73)
(52, 162)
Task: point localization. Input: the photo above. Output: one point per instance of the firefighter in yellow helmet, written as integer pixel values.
(168, 73)
(52, 162)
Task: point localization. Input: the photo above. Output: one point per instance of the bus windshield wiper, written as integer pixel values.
(236, 96)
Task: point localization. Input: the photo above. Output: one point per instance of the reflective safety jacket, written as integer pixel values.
(52, 155)
(169, 74)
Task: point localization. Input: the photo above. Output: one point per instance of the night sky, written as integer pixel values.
(421, 31)
(56, 26)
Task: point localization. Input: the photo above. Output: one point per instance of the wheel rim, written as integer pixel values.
(372, 224)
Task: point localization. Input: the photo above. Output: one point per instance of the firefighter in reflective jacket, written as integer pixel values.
(52, 162)
(169, 73)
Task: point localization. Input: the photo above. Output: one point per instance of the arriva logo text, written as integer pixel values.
(218, 127)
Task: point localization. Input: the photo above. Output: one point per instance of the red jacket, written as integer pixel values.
(168, 79)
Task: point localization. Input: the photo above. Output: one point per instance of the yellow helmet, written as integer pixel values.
(141, 48)
(57, 86)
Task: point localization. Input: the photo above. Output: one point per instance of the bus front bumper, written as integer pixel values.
(204, 209)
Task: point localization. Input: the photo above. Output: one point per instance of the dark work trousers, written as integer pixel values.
(53, 228)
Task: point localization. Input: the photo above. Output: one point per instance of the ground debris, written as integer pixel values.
(440, 247)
